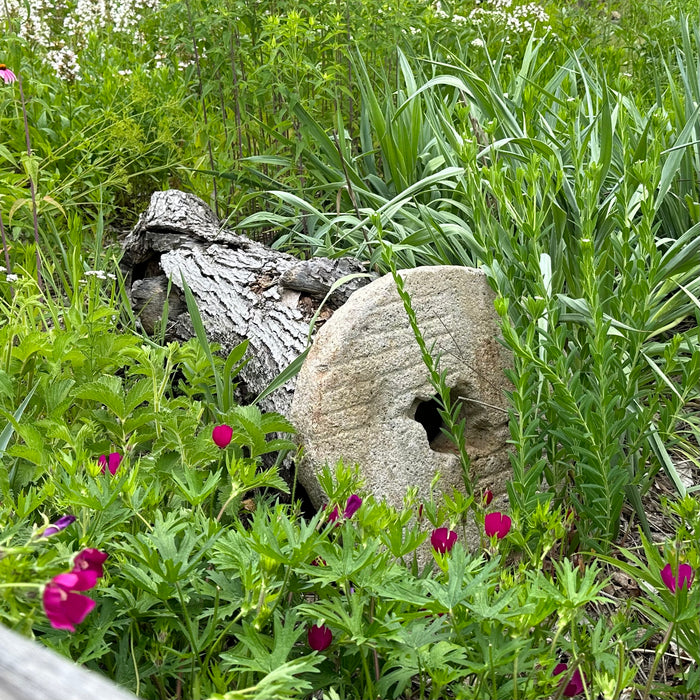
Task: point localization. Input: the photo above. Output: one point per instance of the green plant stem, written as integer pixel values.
(196, 694)
(657, 658)
(4, 245)
(204, 104)
(32, 186)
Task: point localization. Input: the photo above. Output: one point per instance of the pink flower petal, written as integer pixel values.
(222, 435)
(497, 524)
(668, 578)
(443, 539)
(353, 504)
(685, 576)
(63, 608)
(334, 515)
(319, 637)
(90, 560)
(112, 462)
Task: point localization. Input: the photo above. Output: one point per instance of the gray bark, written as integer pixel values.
(243, 289)
(29, 671)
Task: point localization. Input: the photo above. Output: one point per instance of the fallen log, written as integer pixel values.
(243, 289)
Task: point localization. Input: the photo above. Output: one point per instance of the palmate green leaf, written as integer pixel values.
(107, 391)
(267, 652)
(194, 487)
(282, 683)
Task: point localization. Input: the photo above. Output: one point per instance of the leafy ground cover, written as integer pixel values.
(555, 147)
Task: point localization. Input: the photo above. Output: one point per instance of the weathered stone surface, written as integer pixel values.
(357, 394)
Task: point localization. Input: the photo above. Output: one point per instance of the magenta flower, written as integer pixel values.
(352, 506)
(497, 524)
(61, 524)
(486, 497)
(64, 608)
(320, 637)
(443, 540)
(574, 686)
(6, 74)
(334, 515)
(112, 462)
(222, 435)
(684, 578)
(88, 566)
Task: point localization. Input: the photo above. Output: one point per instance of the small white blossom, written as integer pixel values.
(99, 274)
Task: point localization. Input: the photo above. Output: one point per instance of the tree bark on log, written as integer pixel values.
(243, 289)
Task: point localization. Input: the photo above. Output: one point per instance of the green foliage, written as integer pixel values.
(561, 156)
(563, 190)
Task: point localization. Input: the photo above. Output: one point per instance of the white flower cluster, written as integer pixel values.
(518, 18)
(100, 274)
(60, 28)
(64, 63)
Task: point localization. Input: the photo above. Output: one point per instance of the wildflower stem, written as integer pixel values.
(32, 186)
(193, 643)
(660, 651)
(6, 251)
(204, 106)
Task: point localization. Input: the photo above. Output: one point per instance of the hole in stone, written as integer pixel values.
(428, 415)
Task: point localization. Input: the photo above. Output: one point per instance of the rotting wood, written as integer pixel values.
(243, 289)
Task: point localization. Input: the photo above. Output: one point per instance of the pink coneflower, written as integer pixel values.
(6, 74)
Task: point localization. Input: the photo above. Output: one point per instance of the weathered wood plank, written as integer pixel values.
(29, 671)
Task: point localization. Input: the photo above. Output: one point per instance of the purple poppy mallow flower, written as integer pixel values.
(87, 565)
(319, 637)
(497, 524)
(352, 506)
(486, 497)
(334, 515)
(63, 607)
(575, 685)
(110, 462)
(61, 524)
(222, 435)
(443, 539)
(677, 583)
(6, 74)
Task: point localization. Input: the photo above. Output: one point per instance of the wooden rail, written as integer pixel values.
(29, 671)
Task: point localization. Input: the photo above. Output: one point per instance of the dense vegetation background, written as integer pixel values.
(556, 147)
